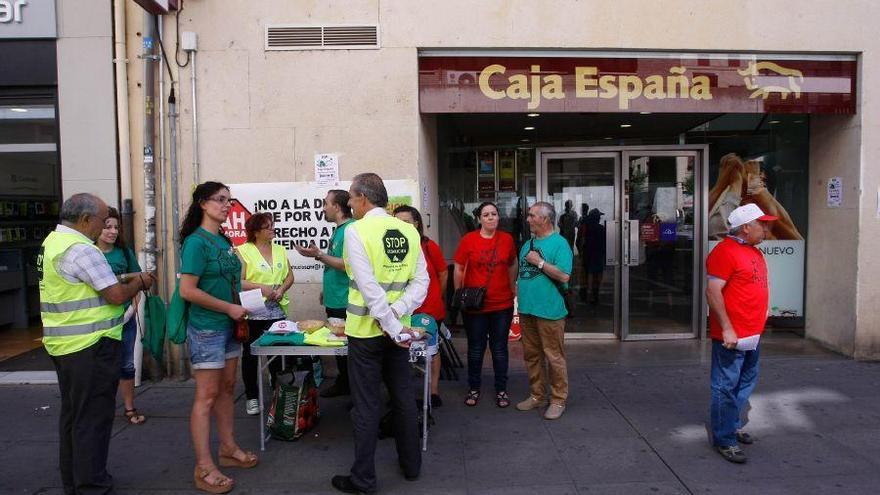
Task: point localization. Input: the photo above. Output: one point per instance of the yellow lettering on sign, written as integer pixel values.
(519, 87)
(630, 89)
(552, 89)
(701, 90)
(536, 88)
(609, 89)
(485, 75)
(654, 89)
(582, 81)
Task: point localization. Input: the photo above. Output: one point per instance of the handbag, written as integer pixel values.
(471, 298)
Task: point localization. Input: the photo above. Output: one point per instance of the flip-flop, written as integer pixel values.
(135, 418)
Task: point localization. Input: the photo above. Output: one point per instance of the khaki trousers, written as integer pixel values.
(543, 341)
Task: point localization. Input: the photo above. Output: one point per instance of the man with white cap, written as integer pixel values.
(738, 296)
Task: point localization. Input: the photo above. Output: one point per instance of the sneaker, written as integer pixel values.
(744, 438)
(733, 454)
(253, 407)
(531, 403)
(554, 411)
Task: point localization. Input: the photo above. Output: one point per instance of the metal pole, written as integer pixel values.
(149, 58)
(195, 124)
(175, 202)
(163, 211)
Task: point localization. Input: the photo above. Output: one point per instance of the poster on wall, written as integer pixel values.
(785, 267)
(297, 210)
(506, 170)
(739, 182)
(327, 169)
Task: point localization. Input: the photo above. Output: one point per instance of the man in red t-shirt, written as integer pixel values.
(738, 296)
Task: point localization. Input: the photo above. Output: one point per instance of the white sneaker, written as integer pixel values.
(253, 407)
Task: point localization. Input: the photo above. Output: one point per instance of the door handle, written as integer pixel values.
(611, 236)
(633, 241)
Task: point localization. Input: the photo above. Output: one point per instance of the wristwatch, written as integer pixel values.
(123, 278)
(541, 265)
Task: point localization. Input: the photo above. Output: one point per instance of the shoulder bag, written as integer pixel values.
(471, 298)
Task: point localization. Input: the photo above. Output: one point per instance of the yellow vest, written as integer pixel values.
(74, 315)
(392, 247)
(259, 271)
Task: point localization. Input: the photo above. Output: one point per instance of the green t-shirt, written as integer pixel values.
(336, 281)
(211, 258)
(537, 294)
(120, 263)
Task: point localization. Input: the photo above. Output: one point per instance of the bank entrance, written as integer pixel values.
(631, 215)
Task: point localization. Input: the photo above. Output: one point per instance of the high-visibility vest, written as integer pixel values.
(74, 315)
(259, 271)
(392, 247)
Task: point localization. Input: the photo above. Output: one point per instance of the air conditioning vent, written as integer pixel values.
(291, 37)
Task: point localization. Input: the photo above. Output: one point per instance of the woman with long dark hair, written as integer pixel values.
(433, 304)
(210, 274)
(264, 267)
(487, 257)
(125, 266)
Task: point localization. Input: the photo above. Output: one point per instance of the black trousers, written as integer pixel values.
(250, 363)
(370, 362)
(87, 380)
(341, 361)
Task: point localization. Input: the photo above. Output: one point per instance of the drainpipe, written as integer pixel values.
(175, 201)
(195, 124)
(122, 128)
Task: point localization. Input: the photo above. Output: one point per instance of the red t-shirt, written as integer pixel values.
(475, 253)
(433, 303)
(746, 294)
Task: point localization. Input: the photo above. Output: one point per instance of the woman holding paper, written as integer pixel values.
(125, 266)
(264, 267)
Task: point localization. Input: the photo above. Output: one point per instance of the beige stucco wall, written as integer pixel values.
(86, 114)
(263, 115)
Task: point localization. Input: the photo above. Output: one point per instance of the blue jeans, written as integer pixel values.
(129, 333)
(734, 375)
(494, 327)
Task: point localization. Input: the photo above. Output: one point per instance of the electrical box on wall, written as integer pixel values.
(158, 7)
(189, 41)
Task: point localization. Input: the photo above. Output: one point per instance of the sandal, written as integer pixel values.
(502, 400)
(472, 398)
(220, 484)
(134, 418)
(250, 459)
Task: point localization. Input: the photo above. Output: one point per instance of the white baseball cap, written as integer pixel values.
(747, 213)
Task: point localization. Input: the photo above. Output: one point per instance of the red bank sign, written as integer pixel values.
(734, 83)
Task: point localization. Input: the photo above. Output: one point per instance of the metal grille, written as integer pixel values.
(290, 37)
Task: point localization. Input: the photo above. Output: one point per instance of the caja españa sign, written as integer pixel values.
(734, 83)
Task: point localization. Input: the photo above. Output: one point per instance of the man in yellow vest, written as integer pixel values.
(389, 280)
(80, 305)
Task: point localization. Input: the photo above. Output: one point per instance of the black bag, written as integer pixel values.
(471, 298)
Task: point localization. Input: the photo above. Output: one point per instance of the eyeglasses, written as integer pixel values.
(223, 200)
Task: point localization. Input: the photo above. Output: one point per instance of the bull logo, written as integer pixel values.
(776, 79)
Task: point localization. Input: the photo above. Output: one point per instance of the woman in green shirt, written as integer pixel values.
(210, 275)
(125, 266)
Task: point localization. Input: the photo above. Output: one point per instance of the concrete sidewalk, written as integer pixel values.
(634, 424)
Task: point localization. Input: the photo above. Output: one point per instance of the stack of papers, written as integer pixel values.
(748, 343)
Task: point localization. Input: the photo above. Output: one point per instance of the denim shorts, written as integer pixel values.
(129, 333)
(209, 349)
(433, 348)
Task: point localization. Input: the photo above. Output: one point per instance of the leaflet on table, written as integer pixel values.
(748, 343)
(252, 301)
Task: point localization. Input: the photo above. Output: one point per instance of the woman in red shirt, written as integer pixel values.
(487, 258)
(433, 304)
